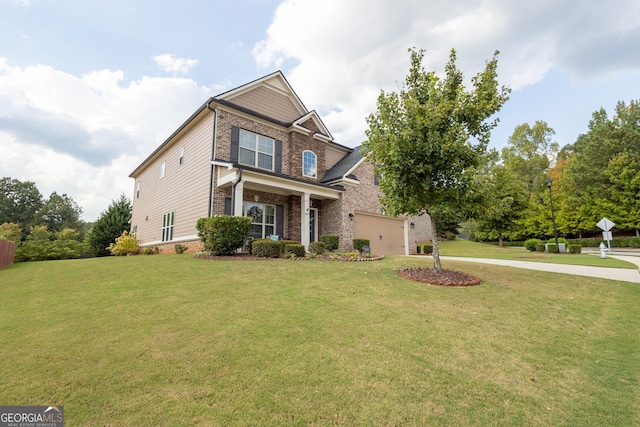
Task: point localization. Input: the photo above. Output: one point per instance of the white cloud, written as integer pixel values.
(338, 55)
(83, 135)
(23, 3)
(170, 64)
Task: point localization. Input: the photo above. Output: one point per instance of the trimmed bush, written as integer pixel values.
(151, 250)
(283, 244)
(575, 249)
(449, 235)
(427, 248)
(295, 249)
(223, 234)
(266, 248)
(540, 247)
(126, 244)
(553, 248)
(331, 241)
(418, 249)
(358, 244)
(531, 244)
(180, 249)
(316, 248)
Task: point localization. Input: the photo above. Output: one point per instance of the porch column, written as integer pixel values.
(304, 221)
(237, 199)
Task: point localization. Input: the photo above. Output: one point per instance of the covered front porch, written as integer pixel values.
(279, 206)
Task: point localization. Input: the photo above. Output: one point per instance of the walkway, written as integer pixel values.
(622, 274)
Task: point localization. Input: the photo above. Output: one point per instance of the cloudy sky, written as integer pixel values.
(88, 88)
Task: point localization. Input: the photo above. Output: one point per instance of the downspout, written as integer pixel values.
(233, 191)
(213, 155)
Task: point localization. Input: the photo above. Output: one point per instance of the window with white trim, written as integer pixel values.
(309, 164)
(181, 156)
(256, 150)
(138, 190)
(134, 231)
(163, 169)
(167, 226)
(263, 219)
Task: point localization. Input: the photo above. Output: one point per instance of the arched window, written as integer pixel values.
(309, 164)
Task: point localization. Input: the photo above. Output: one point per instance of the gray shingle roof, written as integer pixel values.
(345, 164)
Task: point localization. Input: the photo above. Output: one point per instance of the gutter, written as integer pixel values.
(213, 155)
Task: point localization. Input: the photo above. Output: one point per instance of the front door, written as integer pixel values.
(313, 225)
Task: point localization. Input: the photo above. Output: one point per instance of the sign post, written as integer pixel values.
(606, 225)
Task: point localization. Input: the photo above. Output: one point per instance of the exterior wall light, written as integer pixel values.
(351, 216)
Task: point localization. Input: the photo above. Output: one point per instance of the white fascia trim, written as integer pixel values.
(222, 164)
(302, 130)
(350, 171)
(297, 187)
(322, 137)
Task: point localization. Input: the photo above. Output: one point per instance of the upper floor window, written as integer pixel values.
(163, 169)
(138, 189)
(256, 150)
(309, 164)
(181, 156)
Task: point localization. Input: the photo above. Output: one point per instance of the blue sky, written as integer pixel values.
(89, 88)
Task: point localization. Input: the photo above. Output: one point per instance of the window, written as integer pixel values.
(138, 189)
(263, 219)
(309, 164)
(134, 231)
(256, 150)
(181, 156)
(163, 169)
(167, 227)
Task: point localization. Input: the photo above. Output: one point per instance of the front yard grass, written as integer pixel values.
(173, 340)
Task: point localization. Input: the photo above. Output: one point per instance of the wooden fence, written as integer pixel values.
(7, 251)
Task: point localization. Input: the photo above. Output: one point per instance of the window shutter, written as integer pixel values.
(278, 158)
(227, 206)
(280, 220)
(235, 144)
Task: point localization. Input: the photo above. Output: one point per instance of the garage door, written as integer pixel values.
(386, 234)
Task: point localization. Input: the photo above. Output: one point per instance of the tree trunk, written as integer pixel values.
(434, 240)
(637, 233)
(500, 240)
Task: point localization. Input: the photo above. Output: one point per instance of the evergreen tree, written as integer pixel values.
(109, 226)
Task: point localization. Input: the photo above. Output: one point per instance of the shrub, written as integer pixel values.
(266, 248)
(562, 240)
(316, 248)
(223, 234)
(531, 244)
(295, 249)
(283, 244)
(427, 248)
(126, 244)
(151, 250)
(358, 244)
(418, 249)
(331, 241)
(575, 249)
(553, 248)
(634, 242)
(180, 249)
(449, 235)
(540, 247)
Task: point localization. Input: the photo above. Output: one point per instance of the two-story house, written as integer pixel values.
(257, 151)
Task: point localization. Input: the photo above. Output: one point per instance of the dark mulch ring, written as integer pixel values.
(250, 257)
(442, 278)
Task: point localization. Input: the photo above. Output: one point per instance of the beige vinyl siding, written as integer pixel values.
(333, 155)
(268, 102)
(183, 190)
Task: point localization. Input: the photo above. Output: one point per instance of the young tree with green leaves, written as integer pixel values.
(58, 212)
(420, 141)
(109, 226)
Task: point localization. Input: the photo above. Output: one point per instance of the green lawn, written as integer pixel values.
(177, 341)
(466, 248)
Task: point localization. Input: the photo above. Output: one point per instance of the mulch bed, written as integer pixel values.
(441, 278)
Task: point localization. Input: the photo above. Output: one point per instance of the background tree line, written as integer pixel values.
(51, 228)
(597, 176)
